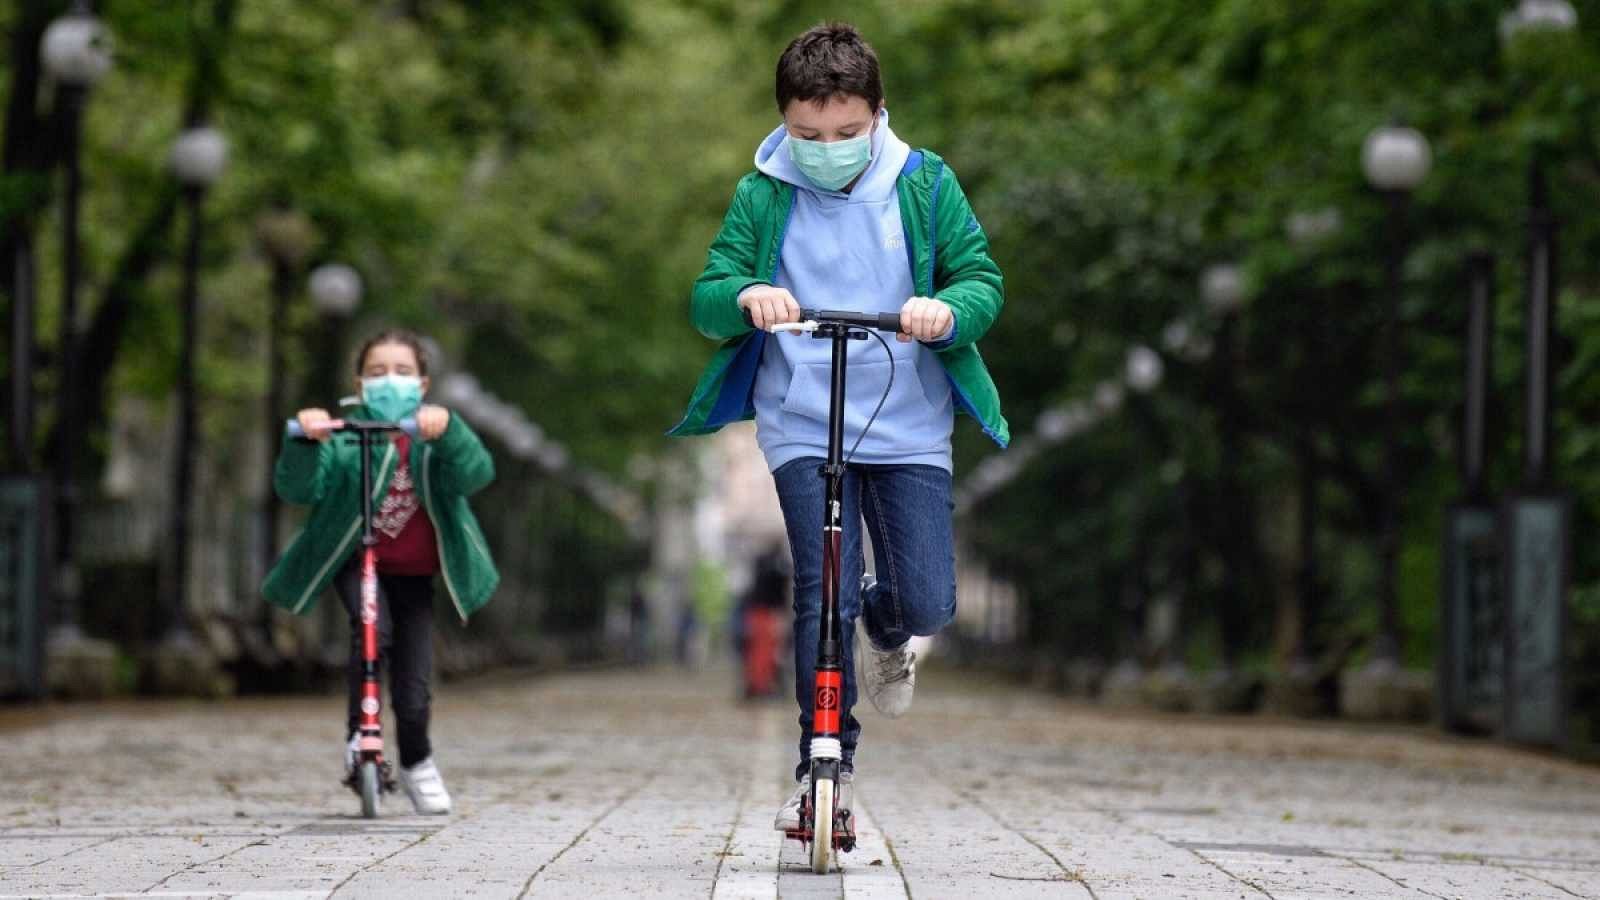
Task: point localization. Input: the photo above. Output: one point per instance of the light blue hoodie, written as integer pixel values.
(848, 251)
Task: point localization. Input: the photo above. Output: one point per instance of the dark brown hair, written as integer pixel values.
(827, 61)
(394, 336)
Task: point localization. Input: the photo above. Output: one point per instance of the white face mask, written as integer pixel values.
(392, 397)
(831, 166)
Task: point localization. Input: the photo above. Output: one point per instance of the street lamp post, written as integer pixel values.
(198, 159)
(1307, 229)
(1395, 159)
(336, 291)
(1478, 377)
(1540, 315)
(1533, 17)
(21, 371)
(76, 50)
(1471, 614)
(1537, 519)
(1149, 627)
(286, 235)
(1222, 290)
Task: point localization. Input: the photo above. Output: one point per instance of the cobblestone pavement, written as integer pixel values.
(656, 784)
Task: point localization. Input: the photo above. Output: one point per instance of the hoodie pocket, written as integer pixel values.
(906, 408)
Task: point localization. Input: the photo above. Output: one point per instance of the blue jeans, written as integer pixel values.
(908, 514)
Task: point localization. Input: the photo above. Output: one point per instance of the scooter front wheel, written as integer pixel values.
(821, 824)
(371, 785)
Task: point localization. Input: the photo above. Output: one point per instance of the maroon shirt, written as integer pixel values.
(406, 543)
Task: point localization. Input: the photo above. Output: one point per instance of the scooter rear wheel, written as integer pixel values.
(371, 785)
(821, 825)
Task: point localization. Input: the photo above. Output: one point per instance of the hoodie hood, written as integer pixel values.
(889, 154)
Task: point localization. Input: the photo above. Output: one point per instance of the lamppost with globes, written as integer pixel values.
(286, 235)
(1531, 17)
(1538, 15)
(1144, 369)
(1471, 608)
(1537, 518)
(336, 290)
(1142, 372)
(1395, 159)
(1307, 229)
(1222, 290)
(198, 158)
(76, 50)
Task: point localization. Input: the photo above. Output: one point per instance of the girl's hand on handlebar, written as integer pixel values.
(432, 421)
(314, 422)
(924, 319)
(769, 306)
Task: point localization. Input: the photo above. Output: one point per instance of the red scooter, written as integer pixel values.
(372, 775)
(822, 824)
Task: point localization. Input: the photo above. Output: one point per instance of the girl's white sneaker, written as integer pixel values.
(425, 786)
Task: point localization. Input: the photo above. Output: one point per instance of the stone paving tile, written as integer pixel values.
(1576, 883)
(635, 784)
(1118, 858)
(1465, 881)
(872, 871)
(663, 840)
(18, 851)
(949, 845)
(747, 871)
(126, 863)
(796, 881)
(1301, 872)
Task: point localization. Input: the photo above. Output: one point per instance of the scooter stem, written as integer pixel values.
(829, 679)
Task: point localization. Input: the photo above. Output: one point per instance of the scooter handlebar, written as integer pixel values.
(292, 429)
(879, 321)
(889, 322)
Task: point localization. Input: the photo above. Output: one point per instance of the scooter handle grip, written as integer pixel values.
(293, 429)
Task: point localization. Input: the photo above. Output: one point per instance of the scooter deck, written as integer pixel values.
(386, 779)
(844, 832)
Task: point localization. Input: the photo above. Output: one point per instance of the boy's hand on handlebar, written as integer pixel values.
(769, 306)
(432, 421)
(924, 319)
(314, 422)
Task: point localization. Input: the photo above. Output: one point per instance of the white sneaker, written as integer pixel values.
(891, 676)
(425, 786)
(789, 814)
(352, 752)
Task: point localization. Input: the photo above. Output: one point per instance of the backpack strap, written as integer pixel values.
(913, 163)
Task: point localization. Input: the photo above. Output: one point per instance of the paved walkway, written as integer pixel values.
(656, 785)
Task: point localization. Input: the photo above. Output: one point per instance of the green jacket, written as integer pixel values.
(327, 477)
(949, 258)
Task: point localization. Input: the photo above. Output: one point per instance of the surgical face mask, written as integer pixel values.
(831, 166)
(392, 397)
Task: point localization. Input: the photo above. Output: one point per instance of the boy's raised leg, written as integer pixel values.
(908, 515)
